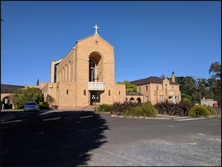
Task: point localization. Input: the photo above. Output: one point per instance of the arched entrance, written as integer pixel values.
(138, 100)
(7, 103)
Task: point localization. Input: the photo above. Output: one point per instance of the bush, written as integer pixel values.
(179, 109)
(120, 108)
(211, 110)
(105, 108)
(185, 100)
(198, 111)
(146, 110)
(43, 105)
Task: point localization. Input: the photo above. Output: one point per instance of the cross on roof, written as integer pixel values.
(96, 29)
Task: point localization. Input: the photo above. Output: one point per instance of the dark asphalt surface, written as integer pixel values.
(87, 138)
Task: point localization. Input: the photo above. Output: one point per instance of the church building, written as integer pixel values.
(85, 78)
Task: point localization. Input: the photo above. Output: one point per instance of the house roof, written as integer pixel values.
(134, 94)
(10, 88)
(150, 80)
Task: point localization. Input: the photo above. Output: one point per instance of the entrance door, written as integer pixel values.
(95, 98)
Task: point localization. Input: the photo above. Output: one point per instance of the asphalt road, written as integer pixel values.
(71, 138)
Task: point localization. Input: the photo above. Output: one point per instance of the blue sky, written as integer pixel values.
(150, 38)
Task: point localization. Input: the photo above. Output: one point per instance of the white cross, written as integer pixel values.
(96, 29)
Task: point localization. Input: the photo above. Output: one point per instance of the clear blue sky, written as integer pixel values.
(150, 38)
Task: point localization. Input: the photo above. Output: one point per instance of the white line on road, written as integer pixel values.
(11, 121)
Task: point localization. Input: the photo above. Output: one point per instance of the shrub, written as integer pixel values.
(198, 111)
(43, 105)
(211, 110)
(179, 109)
(104, 108)
(120, 108)
(186, 100)
(146, 110)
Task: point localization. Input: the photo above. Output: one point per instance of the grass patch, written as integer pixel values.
(198, 111)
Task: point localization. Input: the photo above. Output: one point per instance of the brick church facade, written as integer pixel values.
(85, 77)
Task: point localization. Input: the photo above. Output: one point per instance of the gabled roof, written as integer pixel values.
(10, 88)
(150, 80)
(92, 36)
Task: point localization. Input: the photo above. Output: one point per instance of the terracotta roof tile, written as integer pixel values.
(150, 80)
(10, 88)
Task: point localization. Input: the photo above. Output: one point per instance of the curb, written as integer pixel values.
(155, 118)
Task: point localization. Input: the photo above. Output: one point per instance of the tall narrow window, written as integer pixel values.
(84, 92)
(161, 98)
(139, 89)
(172, 88)
(67, 91)
(146, 98)
(146, 88)
(119, 92)
(109, 92)
(156, 87)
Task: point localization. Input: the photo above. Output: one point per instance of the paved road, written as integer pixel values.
(84, 138)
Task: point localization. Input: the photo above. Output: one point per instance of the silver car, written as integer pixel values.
(31, 106)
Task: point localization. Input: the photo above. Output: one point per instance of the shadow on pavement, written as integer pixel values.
(64, 141)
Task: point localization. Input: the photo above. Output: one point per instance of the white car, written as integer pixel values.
(31, 106)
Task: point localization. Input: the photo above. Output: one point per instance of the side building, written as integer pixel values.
(155, 89)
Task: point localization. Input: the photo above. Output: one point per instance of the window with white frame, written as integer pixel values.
(172, 88)
(146, 98)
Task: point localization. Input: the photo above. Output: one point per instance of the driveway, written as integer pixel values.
(68, 138)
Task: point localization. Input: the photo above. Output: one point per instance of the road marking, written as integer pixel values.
(191, 119)
(192, 143)
(87, 116)
(200, 134)
(50, 119)
(11, 121)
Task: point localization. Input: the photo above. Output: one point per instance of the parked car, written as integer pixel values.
(31, 106)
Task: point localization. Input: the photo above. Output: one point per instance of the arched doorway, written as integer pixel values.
(7, 103)
(138, 100)
(131, 99)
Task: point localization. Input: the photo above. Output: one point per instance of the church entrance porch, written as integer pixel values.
(94, 97)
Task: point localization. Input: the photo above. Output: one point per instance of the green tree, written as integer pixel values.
(25, 95)
(214, 82)
(129, 86)
(37, 82)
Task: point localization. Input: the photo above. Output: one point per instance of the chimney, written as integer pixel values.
(172, 77)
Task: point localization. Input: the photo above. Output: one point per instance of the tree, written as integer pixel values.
(214, 82)
(25, 95)
(129, 86)
(37, 82)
